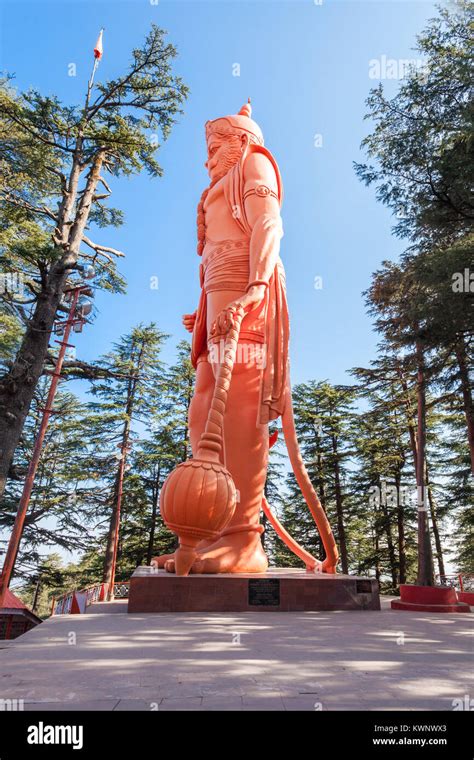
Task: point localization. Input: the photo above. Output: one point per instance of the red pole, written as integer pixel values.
(110, 592)
(17, 531)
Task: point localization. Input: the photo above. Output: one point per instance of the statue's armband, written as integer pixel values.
(260, 190)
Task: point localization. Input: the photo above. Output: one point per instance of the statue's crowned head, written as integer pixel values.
(226, 137)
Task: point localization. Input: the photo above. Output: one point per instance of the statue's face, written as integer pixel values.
(223, 151)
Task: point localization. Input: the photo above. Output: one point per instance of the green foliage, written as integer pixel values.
(422, 146)
(63, 504)
(48, 151)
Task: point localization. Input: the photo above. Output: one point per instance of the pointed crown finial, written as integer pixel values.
(246, 110)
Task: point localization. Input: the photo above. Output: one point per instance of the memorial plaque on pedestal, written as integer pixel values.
(264, 592)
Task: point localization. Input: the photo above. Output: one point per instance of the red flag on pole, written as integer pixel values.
(98, 49)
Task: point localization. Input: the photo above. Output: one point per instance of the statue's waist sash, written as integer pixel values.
(225, 266)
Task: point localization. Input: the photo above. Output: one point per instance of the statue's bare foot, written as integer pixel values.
(232, 553)
(161, 560)
(328, 568)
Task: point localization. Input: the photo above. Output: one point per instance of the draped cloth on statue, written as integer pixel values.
(275, 372)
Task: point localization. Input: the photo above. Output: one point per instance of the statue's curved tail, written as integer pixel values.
(312, 564)
(310, 497)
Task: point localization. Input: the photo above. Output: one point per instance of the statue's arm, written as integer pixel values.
(262, 210)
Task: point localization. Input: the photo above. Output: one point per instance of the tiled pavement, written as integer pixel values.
(244, 661)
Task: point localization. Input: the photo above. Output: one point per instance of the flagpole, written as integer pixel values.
(91, 80)
(97, 57)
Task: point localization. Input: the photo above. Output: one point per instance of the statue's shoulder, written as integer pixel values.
(257, 160)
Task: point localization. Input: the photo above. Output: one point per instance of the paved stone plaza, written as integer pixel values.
(109, 660)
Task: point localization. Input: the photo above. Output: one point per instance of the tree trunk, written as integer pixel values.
(402, 560)
(114, 527)
(461, 356)
(263, 517)
(434, 523)
(18, 385)
(377, 551)
(154, 512)
(341, 531)
(425, 557)
(391, 549)
(34, 605)
(388, 532)
(408, 416)
(322, 498)
(321, 483)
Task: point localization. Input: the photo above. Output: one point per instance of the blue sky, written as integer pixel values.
(306, 67)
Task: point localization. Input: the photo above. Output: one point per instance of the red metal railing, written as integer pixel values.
(62, 605)
(466, 582)
(461, 581)
(76, 602)
(453, 581)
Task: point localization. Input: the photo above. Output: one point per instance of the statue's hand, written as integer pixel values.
(225, 319)
(188, 321)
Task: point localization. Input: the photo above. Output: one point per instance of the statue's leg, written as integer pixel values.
(239, 548)
(198, 411)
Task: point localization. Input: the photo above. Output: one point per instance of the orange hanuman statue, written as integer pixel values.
(239, 231)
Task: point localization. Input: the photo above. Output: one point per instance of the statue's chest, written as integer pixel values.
(215, 204)
(219, 220)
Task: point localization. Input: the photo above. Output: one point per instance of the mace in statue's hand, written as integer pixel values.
(188, 321)
(225, 319)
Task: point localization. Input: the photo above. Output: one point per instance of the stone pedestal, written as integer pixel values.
(278, 590)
